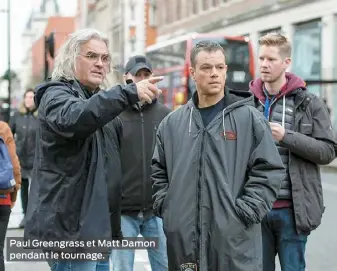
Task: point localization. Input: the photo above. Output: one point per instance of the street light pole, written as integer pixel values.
(9, 57)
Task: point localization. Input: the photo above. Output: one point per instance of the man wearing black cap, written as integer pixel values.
(137, 139)
(136, 68)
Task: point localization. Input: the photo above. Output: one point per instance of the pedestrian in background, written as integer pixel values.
(8, 198)
(137, 134)
(23, 126)
(77, 168)
(303, 134)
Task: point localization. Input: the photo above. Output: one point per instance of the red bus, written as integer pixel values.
(171, 58)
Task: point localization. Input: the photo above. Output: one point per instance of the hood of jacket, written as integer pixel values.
(233, 99)
(72, 85)
(293, 83)
(41, 89)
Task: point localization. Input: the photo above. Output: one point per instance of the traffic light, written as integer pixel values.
(49, 48)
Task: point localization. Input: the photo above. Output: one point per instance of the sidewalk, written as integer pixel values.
(16, 215)
(333, 164)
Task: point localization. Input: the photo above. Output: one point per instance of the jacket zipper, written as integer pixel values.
(144, 162)
(199, 203)
(295, 127)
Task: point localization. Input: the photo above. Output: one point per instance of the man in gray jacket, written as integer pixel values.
(302, 131)
(216, 173)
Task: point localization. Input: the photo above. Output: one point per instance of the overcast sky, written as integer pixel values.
(20, 11)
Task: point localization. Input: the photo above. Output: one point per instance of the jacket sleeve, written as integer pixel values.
(15, 161)
(315, 143)
(159, 176)
(72, 117)
(118, 126)
(264, 176)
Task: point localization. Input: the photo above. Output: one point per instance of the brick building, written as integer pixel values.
(129, 24)
(62, 27)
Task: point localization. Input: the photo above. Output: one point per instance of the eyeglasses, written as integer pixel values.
(93, 57)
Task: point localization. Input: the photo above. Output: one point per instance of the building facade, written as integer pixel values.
(34, 29)
(128, 24)
(311, 26)
(61, 27)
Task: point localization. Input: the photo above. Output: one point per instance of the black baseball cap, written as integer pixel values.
(137, 63)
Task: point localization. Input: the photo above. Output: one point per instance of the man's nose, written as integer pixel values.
(214, 71)
(99, 62)
(264, 63)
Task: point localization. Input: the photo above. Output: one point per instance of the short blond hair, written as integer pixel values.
(277, 40)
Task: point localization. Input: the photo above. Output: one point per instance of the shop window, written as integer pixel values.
(307, 53)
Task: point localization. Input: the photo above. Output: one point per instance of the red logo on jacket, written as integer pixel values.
(230, 135)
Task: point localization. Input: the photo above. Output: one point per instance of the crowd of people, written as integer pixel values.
(227, 181)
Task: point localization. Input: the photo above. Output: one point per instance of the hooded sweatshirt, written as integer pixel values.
(279, 108)
(213, 184)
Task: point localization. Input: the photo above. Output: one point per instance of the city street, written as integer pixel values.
(321, 249)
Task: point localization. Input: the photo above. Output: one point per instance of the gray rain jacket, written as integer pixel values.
(212, 189)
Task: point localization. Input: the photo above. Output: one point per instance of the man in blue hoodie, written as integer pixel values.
(302, 132)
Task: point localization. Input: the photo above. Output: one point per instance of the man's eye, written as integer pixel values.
(105, 58)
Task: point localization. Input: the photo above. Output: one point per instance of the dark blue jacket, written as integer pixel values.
(72, 197)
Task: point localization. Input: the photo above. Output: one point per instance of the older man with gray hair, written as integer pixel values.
(77, 168)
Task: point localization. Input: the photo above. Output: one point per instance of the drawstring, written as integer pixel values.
(223, 124)
(190, 124)
(284, 110)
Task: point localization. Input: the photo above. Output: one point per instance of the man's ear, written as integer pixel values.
(192, 73)
(287, 62)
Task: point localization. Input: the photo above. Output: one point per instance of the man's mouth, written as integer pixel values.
(97, 73)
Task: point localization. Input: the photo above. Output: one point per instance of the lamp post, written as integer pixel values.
(9, 73)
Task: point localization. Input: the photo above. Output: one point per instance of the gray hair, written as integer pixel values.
(65, 60)
(205, 45)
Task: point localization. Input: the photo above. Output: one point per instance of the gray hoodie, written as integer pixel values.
(213, 185)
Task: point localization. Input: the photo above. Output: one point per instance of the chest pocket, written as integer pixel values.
(305, 126)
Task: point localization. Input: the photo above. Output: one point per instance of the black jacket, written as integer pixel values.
(213, 185)
(77, 168)
(310, 144)
(139, 127)
(23, 126)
